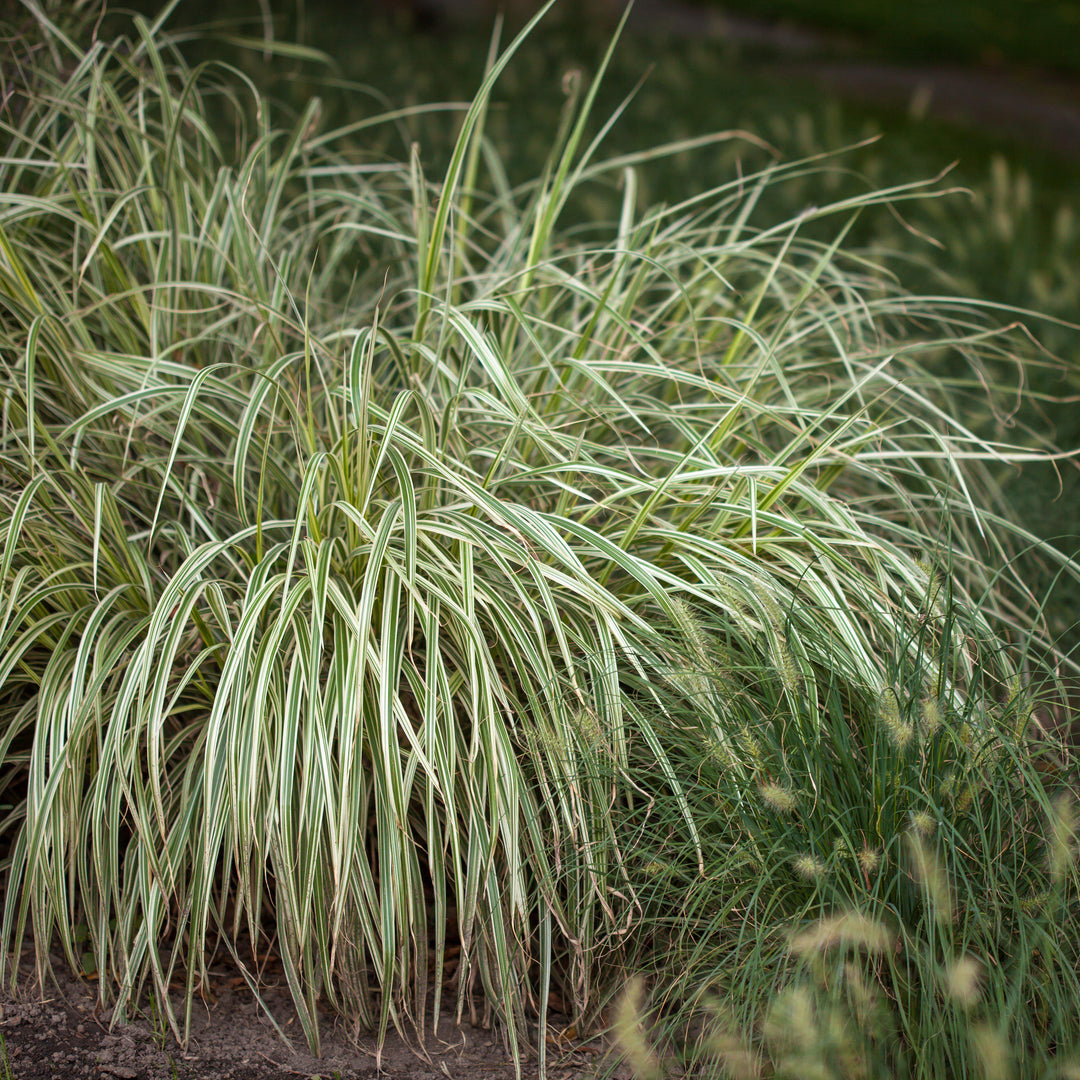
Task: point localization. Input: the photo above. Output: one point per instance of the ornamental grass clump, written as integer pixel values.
(854, 903)
(846, 1009)
(358, 525)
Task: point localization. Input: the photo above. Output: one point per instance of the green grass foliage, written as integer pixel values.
(886, 885)
(386, 553)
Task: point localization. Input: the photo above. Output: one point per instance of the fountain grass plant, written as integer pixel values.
(355, 521)
(889, 883)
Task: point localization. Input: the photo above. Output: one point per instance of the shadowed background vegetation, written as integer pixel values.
(987, 31)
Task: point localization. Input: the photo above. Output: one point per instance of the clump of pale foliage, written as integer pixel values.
(359, 526)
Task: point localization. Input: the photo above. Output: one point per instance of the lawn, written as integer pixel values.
(433, 522)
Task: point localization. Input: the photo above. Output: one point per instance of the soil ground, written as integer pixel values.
(64, 1035)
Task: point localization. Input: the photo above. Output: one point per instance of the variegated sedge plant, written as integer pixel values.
(354, 517)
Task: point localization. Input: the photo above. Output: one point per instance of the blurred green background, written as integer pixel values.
(1031, 32)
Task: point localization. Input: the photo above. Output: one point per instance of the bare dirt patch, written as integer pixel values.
(63, 1034)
